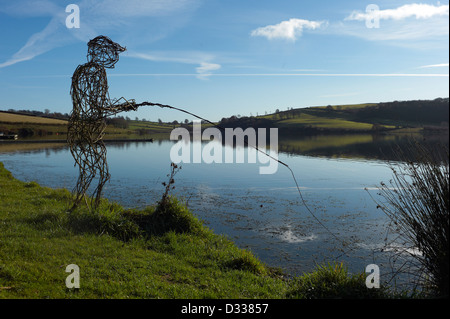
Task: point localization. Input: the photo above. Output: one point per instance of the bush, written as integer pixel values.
(333, 281)
(167, 216)
(416, 202)
(25, 132)
(244, 260)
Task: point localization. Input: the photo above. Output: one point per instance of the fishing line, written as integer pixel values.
(256, 148)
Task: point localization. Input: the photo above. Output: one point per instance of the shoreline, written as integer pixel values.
(65, 141)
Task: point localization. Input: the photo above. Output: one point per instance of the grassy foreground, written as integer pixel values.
(159, 252)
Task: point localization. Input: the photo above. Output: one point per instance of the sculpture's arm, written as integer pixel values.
(120, 105)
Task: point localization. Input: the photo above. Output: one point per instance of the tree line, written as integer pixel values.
(117, 121)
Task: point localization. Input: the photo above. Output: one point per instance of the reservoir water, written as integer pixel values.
(263, 213)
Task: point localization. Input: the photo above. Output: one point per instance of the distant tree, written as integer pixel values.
(118, 122)
(186, 121)
(25, 132)
(159, 121)
(377, 127)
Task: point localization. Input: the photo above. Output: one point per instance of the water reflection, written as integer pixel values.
(30, 148)
(350, 146)
(359, 146)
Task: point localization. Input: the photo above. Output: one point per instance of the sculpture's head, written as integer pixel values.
(104, 51)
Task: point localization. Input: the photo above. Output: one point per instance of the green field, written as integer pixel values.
(306, 119)
(390, 117)
(7, 117)
(36, 127)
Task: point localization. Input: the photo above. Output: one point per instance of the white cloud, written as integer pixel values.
(177, 57)
(289, 30)
(204, 68)
(290, 74)
(417, 10)
(434, 66)
(416, 26)
(15, 59)
(50, 37)
(422, 34)
(123, 21)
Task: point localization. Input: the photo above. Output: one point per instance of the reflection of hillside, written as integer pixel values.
(32, 147)
(358, 146)
(364, 146)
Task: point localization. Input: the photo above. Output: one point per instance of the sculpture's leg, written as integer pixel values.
(77, 191)
(84, 180)
(83, 157)
(102, 167)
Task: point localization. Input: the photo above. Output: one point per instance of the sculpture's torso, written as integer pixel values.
(89, 93)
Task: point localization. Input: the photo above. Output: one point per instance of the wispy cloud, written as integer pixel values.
(186, 57)
(417, 10)
(409, 25)
(51, 37)
(202, 60)
(97, 16)
(288, 30)
(419, 35)
(442, 65)
(205, 69)
(287, 74)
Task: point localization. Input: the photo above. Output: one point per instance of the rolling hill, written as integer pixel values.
(8, 117)
(397, 116)
(418, 114)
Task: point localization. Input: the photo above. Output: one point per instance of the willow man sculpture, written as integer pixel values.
(91, 107)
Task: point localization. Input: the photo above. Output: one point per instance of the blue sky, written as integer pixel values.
(222, 58)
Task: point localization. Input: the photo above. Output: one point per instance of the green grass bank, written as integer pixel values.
(159, 252)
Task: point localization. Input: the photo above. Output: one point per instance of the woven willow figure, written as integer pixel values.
(91, 107)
